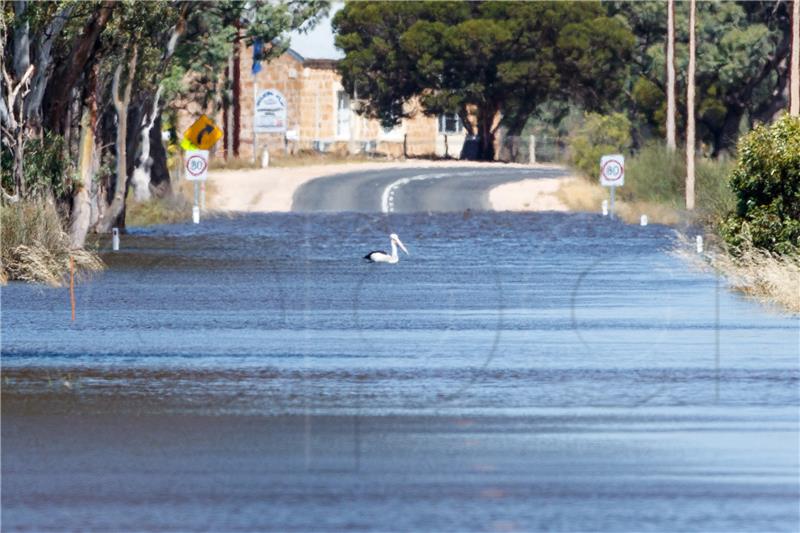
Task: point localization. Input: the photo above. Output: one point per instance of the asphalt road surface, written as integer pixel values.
(412, 190)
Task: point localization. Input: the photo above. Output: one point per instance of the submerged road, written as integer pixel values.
(411, 190)
(515, 372)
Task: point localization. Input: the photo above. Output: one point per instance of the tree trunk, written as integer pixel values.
(486, 133)
(19, 164)
(671, 134)
(794, 62)
(725, 140)
(13, 129)
(690, 137)
(44, 59)
(140, 179)
(160, 184)
(69, 72)
(228, 111)
(81, 202)
(117, 207)
(237, 95)
(22, 42)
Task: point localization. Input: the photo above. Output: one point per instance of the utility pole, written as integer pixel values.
(690, 109)
(253, 116)
(794, 62)
(671, 129)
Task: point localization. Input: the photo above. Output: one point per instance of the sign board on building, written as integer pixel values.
(203, 134)
(270, 112)
(612, 170)
(195, 163)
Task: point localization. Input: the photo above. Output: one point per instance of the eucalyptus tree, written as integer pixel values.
(96, 74)
(742, 71)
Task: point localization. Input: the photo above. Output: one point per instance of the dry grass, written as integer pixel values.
(581, 195)
(35, 247)
(760, 274)
(177, 207)
(763, 275)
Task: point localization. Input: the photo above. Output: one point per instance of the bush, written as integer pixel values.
(655, 174)
(599, 135)
(715, 198)
(34, 246)
(766, 182)
(45, 169)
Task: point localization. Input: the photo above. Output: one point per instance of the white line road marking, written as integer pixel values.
(387, 198)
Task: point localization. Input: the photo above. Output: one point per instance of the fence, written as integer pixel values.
(517, 149)
(509, 149)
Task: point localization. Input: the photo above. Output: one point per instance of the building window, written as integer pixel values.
(450, 123)
(342, 115)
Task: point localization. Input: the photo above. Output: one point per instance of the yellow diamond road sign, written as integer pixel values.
(203, 134)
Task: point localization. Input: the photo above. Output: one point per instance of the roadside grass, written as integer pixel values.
(35, 248)
(655, 186)
(767, 277)
(763, 275)
(173, 208)
(581, 195)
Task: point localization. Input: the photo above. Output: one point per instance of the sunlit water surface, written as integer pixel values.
(581, 347)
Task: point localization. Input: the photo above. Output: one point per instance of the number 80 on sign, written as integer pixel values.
(195, 165)
(612, 170)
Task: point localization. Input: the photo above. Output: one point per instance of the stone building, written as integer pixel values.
(298, 103)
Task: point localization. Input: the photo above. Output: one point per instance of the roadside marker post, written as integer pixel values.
(115, 239)
(612, 174)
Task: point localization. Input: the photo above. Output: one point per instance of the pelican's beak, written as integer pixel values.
(402, 246)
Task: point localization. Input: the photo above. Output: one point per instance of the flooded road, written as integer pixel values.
(516, 372)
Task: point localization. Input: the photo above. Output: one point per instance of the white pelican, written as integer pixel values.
(383, 257)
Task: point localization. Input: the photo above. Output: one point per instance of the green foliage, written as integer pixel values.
(480, 57)
(45, 169)
(214, 27)
(656, 174)
(598, 135)
(715, 198)
(739, 69)
(767, 186)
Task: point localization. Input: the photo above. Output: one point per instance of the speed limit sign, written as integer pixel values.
(195, 165)
(612, 170)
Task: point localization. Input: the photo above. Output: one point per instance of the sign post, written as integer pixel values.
(195, 163)
(196, 143)
(612, 174)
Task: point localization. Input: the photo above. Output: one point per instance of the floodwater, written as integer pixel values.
(516, 372)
